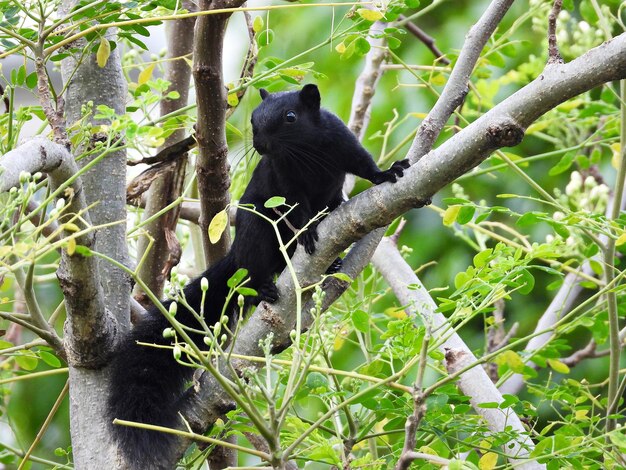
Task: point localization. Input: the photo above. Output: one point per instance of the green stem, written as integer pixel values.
(609, 272)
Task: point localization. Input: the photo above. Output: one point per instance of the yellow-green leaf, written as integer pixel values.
(71, 246)
(558, 366)
(370, 15)
(341, 48)
(438, 79)
(145, 74)
(217, 226)
(581, 414)
(257, 24)
(104, 51)
(233, 100)
(617, 154)
(488, 461)
(450, 215)
(621, 239)
(511, 359)
(71, 227)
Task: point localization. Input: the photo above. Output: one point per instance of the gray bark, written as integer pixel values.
(105, 186)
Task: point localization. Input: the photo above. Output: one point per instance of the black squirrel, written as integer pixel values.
(306, 152)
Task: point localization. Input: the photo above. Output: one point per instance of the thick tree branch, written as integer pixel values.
(457, 86)
(105, 188)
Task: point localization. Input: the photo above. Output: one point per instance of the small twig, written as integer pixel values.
(428, 41)
(247, 70)
(554, 56)
(419, 410)
(168, 154)
(587, 352)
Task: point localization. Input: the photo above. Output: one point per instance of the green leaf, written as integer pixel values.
(361, 321)
(49, 359)
(362, 46)
(393, 42)
(265, 38)
(236, 278)
(563, 165)
(481, 259)
(83, 251)
(21, 75)
(247, 291)
(217, 226)
(527, 281)
(257, 24)
(275, 201)
(103, 53)
(342, 277)
(31, 80)
(316, 380)
(26, 360)
(588, 12)
(465, 214)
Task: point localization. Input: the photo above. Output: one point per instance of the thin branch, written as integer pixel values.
(554, 56)
(428, 41)
(212, 166)
(46, 424)
(250, 61)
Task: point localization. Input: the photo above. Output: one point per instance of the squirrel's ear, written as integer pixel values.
(310, 96)
(264, 93)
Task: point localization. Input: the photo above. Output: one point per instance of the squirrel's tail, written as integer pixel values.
(147, 382)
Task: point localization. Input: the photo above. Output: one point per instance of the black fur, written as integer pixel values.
(306, 152)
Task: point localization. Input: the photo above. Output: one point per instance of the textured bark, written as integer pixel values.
(104, 186)
(212, 164)
(157, 265)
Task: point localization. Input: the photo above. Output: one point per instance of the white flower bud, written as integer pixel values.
(204, 284)
(173, 308)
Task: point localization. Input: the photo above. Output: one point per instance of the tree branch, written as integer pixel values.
(212, 164)
(457, 86)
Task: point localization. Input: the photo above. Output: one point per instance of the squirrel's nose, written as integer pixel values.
(260, 145)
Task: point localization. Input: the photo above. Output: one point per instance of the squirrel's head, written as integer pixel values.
(285, 121)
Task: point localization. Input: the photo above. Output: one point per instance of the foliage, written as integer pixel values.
(498, 242)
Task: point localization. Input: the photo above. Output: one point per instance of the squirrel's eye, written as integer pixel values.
(290, 116)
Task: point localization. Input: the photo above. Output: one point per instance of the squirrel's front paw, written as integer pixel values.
(308, 239)
(335, 266)
(268, 292)
(393, 173)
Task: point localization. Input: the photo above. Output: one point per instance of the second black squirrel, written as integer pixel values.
(306, 152)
